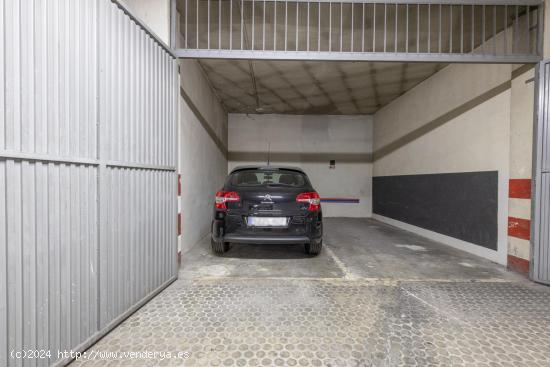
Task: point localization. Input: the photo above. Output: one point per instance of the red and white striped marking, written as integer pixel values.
(519, 226)
(520, 188)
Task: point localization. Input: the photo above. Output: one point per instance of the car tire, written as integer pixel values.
(314, 248)
(219, 247)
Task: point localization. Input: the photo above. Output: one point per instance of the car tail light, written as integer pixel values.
(223, 197)
(310, 197)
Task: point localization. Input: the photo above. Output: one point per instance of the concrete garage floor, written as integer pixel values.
(375, 296)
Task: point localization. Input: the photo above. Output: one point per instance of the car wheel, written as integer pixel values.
(219, 247)
(314, 248)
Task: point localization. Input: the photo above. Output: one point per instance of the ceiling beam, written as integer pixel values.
(356, 56)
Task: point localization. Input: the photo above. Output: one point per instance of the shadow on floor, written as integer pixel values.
(257, 261)
(274, 251)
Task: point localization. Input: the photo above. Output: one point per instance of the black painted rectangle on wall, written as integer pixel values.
(460, 205)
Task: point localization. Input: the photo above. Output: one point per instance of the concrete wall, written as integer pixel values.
(155, 14)
(203, 153)
(310, 142)
(456, 121)
(521, 153)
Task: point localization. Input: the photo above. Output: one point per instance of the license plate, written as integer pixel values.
(267, 221)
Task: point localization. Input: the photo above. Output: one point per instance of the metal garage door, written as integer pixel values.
(87, 172)
(540, 270)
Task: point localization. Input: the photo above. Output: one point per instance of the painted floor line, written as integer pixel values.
(347, 274)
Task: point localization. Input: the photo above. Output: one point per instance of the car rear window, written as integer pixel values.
(264, 178)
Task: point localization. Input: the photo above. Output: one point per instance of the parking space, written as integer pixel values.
(356, 248)
(265, 306)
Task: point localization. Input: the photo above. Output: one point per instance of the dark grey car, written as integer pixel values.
(267, 205)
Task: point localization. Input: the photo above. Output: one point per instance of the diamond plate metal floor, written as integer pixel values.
(346, 320)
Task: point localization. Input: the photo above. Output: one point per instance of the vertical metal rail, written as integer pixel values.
(352, 26)
(461, 29)
(528, 31)
(330, 27)
(472, 47)
(253, 23)
(450, 29)
(186, 22)
(307, 28)
(374, 27)
(395, 30)
(173, 23)
(540, 29)
(286, 25)
(418, 28)
(439, 31)
(483, 37)
(505, 28)
(297, 24)
(407, 29)
(516, 31)
(494, 30)
(275, 26)
(319, 26)
(429, 28)
(341, 23)
(363, 31)
(385, 24)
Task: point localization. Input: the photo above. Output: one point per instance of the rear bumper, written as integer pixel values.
(266, 239)
(219, 235)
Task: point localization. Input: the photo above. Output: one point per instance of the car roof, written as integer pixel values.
(266, 168)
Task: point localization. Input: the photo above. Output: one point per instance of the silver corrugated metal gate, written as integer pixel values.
(540, 262)
(87, 172)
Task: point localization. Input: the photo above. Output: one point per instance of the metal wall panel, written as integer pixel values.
(50, 224)
(87, 172)
(540, 231)
(138, 112)
(541, 267)
(138, 253)
(50, 78)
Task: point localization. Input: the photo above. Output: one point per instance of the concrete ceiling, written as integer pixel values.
(312, 87)
(315, 87)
